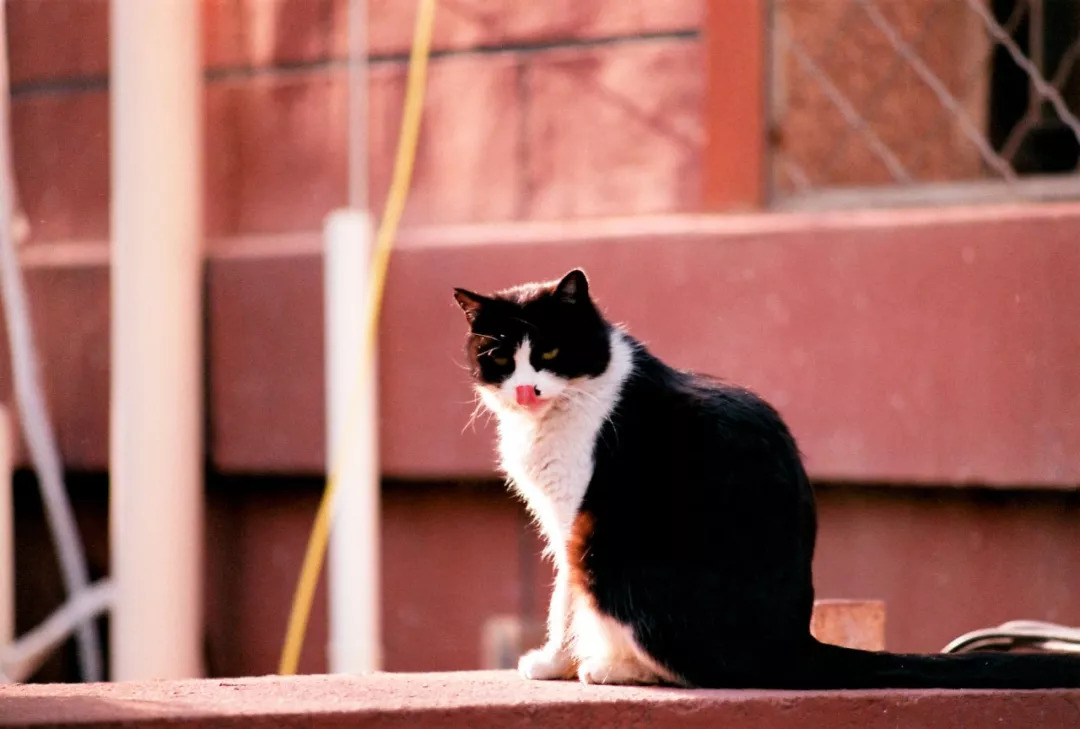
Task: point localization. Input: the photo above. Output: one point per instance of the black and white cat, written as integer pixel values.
(677, 512)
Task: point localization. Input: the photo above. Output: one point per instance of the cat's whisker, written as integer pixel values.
(578, 393)
(460, 365)
(479, 407)
(583, 393)
(471, 422)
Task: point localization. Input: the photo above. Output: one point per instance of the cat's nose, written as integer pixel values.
(527, 394)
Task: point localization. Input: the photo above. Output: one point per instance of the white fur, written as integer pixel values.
(551, 386)
(547, 454)
(607, 651)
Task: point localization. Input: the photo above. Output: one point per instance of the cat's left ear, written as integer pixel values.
(469, 302)
(574, 287)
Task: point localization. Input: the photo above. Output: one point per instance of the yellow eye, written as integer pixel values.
(501, 361)
(550, 354)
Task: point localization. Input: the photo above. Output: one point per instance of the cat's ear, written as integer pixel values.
(574, 287)
(469, 302)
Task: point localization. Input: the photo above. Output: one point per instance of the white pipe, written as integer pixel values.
(19, 661)
(7, 531)
(156, 458)
(37, 432)
(352, 427)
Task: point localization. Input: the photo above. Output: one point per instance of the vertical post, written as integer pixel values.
(7, 531)
(155, 454)
(733, 171)
(352, 447)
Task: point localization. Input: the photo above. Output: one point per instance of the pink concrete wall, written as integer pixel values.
(936, 346)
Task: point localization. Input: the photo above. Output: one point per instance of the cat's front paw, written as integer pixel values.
(546, 664)
(595, 670)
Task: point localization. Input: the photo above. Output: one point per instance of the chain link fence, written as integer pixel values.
(881, 101)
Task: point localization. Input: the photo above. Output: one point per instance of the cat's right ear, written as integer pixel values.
(469, 302)
(574, 287)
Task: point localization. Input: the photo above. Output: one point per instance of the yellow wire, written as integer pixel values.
(384, 240)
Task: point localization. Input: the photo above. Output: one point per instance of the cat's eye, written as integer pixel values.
(501, 361)
(550, 354)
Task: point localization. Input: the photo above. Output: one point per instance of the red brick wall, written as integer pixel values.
(897, 105)
(534, 110)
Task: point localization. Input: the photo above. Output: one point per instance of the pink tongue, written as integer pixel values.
(526, 395)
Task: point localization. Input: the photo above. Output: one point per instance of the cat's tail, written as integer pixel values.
(828, 666)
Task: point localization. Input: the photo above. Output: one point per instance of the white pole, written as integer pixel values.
(7, 532)
(155, 454)
(353, 572)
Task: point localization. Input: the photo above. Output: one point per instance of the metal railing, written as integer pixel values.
(893, 101)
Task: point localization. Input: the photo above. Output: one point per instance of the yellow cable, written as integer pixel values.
(384, 240)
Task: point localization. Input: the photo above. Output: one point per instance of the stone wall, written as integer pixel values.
(534, 111)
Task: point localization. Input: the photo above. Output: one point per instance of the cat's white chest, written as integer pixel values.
(550, 463)
(550, 459)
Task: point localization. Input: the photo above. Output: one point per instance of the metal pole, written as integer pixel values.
(156, 458)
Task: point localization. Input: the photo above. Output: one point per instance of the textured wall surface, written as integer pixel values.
(856, 58)
(944, 561)
(534, 111)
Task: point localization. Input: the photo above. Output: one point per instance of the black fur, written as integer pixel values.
(702, 538)
(553, 316)
(701, 528)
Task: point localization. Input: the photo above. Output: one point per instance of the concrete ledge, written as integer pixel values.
(502, 699)
(917, 346)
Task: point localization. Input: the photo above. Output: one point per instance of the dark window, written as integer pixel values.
(1036, 140)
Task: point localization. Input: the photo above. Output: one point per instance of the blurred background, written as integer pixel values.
(866, 210)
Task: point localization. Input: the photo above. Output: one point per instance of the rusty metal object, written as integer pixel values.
(850, 623)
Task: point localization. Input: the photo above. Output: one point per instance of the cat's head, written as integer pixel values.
(528, 346)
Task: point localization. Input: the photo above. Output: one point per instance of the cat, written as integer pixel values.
(677, 512)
